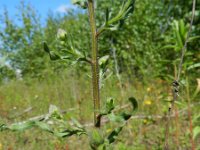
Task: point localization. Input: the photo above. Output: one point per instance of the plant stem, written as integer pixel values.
(177, 127)
(113, 49)
(190, 116)
(94, 62)
(176, 117)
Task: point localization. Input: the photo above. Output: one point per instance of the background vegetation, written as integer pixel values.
(143, 56)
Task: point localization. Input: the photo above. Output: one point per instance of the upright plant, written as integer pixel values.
(68, 52)
(94, 62)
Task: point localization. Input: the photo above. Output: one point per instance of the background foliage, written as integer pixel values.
(145, 49)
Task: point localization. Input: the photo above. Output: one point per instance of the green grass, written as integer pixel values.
(70, 91)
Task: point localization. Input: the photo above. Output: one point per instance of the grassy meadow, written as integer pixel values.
(145, 130)
(100, 75)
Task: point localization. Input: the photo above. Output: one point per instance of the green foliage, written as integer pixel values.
(113, 135)
(43, 124)
(81, 3)
(196, 129)
(55, 124)
(176, 44)
(148, 45)
(180, 31)
(108, 107)
(98, 140)
(23, 45)
(116, 21)
(66, 49)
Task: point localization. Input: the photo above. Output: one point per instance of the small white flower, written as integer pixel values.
(61, 34)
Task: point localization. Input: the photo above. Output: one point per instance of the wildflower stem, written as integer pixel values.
(94, 62)
(190, 116)
(175, 89)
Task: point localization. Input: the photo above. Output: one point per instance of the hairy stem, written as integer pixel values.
(94, 62)
(175, 89)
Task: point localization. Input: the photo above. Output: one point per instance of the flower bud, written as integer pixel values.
(61, 34)
(62, 43)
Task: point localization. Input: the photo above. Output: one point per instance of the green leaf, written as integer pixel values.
(52, 109)
(83, 60)
(117, 21)
(103, 60)
(120, 118)
(107, 15)
(70, 132)
(43, 126)
(169, 47)
(179, 39)
(113, 135)
(109, 105)
(80, 3)
(134, 103)
(53, 55)
(96, 138)
(129, 8)
(196, 131)
(46, 48)
(76, 123)
(54, 112)
(182, 29)
(116, 118)
(193, 38)
(3, 127)
(193, 66)
(106, 110)
(22, 126)
(125, 116)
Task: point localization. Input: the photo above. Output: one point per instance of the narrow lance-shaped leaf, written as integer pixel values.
(106, 110)
(52, 54)
(196, 131)
(112, 137)
(134, 103)
(96, 138)
(117, 21)
(80, 3)
(43, 126)
(21, 126)
(46, 48)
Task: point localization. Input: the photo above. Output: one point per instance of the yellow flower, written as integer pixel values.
(147, 102)
(148, 89)
(108, 130)
(145, 121)
(1, 146)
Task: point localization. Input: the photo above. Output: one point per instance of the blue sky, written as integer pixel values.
(42, 6)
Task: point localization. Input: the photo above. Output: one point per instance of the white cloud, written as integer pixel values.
(65, 8)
